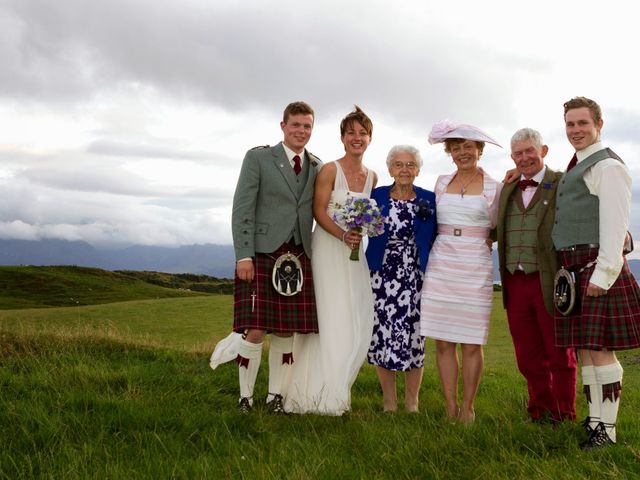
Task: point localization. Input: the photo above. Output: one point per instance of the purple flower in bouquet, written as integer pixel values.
(361, 214)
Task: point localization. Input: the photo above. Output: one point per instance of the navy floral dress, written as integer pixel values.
(396, 343)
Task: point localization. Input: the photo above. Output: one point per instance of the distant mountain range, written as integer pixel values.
(215, 260)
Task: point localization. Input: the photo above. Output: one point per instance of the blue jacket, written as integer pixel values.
(425, 230)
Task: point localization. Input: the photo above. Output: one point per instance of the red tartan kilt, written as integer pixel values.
(257, 304)
(611, 321)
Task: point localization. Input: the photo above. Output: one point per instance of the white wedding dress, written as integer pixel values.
(326, 364)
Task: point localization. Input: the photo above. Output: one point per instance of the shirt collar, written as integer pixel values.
(290, 154)
(538, 176)
(590, 150)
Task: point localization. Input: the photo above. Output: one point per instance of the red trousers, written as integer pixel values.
(550, 371)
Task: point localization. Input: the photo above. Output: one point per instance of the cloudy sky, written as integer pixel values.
(125, 121)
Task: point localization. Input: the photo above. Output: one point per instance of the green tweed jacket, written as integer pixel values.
(547, 257)
(266, 204)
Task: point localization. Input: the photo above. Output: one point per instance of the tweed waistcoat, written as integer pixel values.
(577, 211)
(521, 230)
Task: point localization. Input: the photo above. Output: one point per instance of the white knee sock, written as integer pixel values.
(249, 356)
(610, 379)
(593, 392)
(280, 360)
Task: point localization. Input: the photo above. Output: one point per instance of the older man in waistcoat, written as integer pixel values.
(592, 218)
(271, 221)
(528, 264)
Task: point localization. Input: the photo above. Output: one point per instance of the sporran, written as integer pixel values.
(287, 276)
(566, 291)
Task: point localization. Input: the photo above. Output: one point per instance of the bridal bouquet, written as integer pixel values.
(361, 214)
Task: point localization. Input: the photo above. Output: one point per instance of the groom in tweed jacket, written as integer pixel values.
(272, 216)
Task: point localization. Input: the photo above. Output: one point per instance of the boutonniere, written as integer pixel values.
(424, 209)
(547, 185)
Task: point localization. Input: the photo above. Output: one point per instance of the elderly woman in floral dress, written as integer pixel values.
(397, 260)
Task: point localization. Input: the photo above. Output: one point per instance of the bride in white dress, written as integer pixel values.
(326, 364)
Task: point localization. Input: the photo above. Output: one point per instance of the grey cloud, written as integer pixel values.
(157, 149)
(244, 56)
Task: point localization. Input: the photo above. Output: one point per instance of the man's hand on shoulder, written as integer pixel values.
(511, 176)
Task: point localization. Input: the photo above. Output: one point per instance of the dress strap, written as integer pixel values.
(368, 183)
(341, 181)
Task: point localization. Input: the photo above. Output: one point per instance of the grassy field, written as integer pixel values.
(124, 390)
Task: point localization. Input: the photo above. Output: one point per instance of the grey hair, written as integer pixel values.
(525, 134)
(411, 150)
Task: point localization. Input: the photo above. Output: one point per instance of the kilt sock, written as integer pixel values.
(593, 392)
(249, 356)
(610, 377)
(280, 360)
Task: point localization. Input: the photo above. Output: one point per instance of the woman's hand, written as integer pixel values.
(352, 239)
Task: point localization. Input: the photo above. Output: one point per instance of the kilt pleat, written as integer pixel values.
(257, 304)
(611, 321)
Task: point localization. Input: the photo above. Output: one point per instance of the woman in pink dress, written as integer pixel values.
(458, 287)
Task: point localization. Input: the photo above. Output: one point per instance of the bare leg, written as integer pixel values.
(412, 382)
(472, 364)
(388, 383)
(255, 336)
(447, 361)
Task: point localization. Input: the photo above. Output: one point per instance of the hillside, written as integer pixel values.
(65, 286)
(209, 259)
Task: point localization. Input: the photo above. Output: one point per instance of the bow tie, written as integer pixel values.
(523, 184)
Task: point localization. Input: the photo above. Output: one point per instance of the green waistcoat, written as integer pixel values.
(577, 211)
(521, 230)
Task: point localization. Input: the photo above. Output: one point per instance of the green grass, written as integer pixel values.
(125, 391)
(38, 287)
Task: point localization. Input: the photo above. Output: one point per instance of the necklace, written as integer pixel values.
(463, 188)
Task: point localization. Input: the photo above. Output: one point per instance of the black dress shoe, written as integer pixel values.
(586, 425)
(276, 406)
(598, 438)
(244, 406)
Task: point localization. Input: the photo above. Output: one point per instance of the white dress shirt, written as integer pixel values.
(290, 154)
(530, 191)
(610, 181)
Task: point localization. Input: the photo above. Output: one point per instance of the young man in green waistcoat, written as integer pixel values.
(528, 264)
(592, 217)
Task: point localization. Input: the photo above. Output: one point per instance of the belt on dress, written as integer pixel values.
(462, 231)
(582, 246)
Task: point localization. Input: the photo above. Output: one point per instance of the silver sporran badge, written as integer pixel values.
(287, 275)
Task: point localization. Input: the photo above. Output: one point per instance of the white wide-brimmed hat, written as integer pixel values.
(441, 131)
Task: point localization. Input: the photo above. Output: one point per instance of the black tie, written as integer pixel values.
(573, 162)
